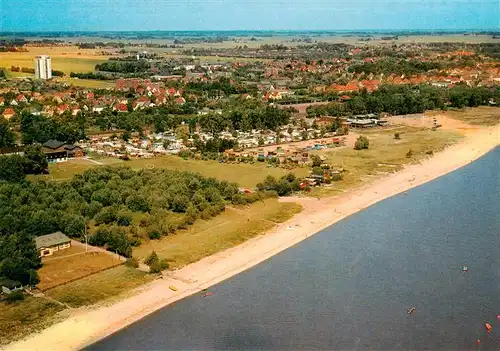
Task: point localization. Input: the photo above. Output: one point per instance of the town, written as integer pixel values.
(125, 159)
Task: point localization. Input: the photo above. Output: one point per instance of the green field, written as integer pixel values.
(204, 238)
(246, 175)
(99, 286)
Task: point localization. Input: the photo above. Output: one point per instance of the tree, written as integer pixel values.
(7, 136)
(36, 161)
(152, 259)
(361, 143)
(316, 161)
(397, 136)
(12, 168)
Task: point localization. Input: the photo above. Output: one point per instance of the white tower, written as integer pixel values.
(43, 67)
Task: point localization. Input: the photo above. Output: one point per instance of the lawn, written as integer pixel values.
(204, 238)
(483, 115)
(90, 83)
(63, 269)
(99, 286)
(246, 175)
(22, 318)
(385, 155)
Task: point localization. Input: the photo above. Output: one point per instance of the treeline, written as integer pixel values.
(7, 136)
(90, 75)
(400, 100)
(14, 168)
(124, 66)
(32, 71)
(40, 129)
(121, 208)
(388, 66)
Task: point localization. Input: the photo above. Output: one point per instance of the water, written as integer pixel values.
(349, 287)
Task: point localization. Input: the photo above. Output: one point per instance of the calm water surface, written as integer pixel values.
(349, 287)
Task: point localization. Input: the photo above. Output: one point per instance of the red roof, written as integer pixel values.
(121, 107)
(20, 97)
(9, 112)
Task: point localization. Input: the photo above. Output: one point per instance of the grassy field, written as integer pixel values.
(246, 175)
(66, 59)
(204, 238)
(21, 318)
(62, 269)
(385, 155)
(89, 83)
(482, 116)
(99, 286)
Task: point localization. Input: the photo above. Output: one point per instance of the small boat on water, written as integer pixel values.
(487, 326)
(207, 294)
(465, 268)
(411, 310)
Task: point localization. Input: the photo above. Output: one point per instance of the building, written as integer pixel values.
(43, 67)
(50, 243)
(57, 151)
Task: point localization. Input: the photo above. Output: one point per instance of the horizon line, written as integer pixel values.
(258, 30)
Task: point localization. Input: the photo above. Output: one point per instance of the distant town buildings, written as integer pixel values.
(43, 67)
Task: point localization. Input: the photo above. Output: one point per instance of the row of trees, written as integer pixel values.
(397, 66)
(124, 66)
(407, 100)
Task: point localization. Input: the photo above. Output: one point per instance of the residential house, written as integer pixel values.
(8, 113)
(120, 107)
(50, 243)
(22, 98)
(2, 101)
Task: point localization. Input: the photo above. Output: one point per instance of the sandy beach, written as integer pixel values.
(86, 326)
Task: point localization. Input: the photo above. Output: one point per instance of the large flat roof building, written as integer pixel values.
(43, 67)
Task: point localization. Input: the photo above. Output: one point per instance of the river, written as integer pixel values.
(349, 287)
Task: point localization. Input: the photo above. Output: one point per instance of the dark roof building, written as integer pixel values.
(50, 240)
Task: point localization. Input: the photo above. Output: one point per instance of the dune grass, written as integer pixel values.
(24, 317)
(204, 238)
(385, 155)
(481, 116)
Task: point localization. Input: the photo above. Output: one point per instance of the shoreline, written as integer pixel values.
(318, 214)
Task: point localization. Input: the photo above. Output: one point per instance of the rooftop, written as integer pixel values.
(49, 240)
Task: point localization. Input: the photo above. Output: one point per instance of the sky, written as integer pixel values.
(121, 15)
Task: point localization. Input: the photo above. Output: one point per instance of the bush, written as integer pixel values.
(409, 153)
(397, 136)
(336, 177)
(14, 297)
(361, 143)
(132, 262)
(152, 259)
(158, 266)
(430, 152)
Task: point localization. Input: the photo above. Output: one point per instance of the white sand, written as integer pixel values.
(88, 326)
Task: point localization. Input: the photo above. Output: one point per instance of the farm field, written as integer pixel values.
(71, 264)
(206, 237)
(66, 59)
